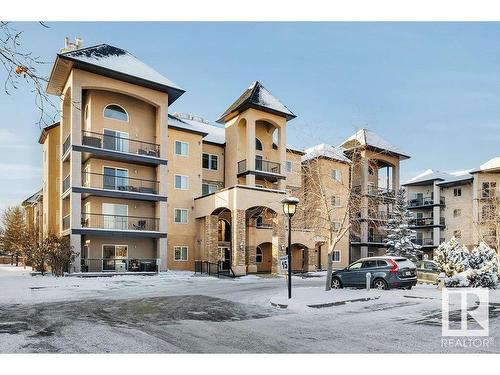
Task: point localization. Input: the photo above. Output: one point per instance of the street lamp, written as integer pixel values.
(289, 207)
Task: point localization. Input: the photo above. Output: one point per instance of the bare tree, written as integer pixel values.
(22, 66)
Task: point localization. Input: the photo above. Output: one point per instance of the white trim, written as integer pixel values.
(187, 253)
(110, 118)
(175, 148)
(209, 164)
(340, 256)
(181, 175)
(187, 215)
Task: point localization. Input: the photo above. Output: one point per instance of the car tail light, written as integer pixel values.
(394, 268)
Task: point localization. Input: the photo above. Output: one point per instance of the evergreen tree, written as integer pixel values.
(400, 237)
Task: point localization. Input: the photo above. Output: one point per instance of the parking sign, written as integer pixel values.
(284, 263)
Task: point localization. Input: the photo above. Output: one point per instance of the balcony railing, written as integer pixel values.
(119, 265)
(119, 183)
(424, 201)
(66, 222)
(260, 165)
(66, 184)
(423, 241)
(119, 222)
(375, 191)
(371, 238)
(66, 144)
(115, 143)
(425, 221)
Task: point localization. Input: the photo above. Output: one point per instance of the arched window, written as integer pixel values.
(115, 112)
(258, 144)
(258, 255)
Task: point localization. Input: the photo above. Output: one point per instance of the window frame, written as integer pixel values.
(209, 184)
(181, 247)
(175, 216)
(288, 166)
(339, 256)
(333, 199)
(112, 118)
(181, 143)
(336, 175)
(210, 161)
(175, 182)
(457, 212)
(457, 192)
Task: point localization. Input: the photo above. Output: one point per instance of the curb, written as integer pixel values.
(330, 304)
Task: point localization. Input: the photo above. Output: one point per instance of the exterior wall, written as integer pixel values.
(211, 175)
(51, 182)
(141, 248)
(293, 179)
(135, 208)
(464, 221)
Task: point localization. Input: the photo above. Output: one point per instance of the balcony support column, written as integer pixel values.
(282, 151)
(211, 239)
(436, 213)
(250, 150)
(251, 250)
(239, 242)
(161, 253)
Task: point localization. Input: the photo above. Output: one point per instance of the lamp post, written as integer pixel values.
(289, 207)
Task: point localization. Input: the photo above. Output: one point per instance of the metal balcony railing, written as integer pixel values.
(119, 265)
(66, 221)
(424, 201)
(376, 238)
(119, 222)
(260, 165)
(375, 191)
(119, 183)
(66, 183)
(116, 143)
(66, 144)
(426, 221)
(423, 241)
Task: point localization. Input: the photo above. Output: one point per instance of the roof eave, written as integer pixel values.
(244, 106)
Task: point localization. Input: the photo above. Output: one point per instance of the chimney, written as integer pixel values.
(70, 46)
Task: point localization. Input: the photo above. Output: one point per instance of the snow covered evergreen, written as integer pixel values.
(478, 268)
(400, 237)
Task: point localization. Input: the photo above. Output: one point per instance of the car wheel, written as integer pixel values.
(336, 283)
(380, 284)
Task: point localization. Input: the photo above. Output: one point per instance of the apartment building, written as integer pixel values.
(460, 204)
(137, 189)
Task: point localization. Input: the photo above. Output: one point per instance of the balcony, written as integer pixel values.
(66, 221)
(269, 170)
(375, 191)
(426, 222)
(66, 145)
(125, 225)
(421, 202)
(66, 184)
(119, 187)
(138, 265)
(423, 241)
(120, 148)
(372, 238)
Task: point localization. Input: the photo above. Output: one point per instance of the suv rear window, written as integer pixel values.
(403, 262)
(381, 263)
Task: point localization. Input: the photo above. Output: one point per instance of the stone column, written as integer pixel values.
(250, 151)
(279, 241)
(251, 246)
(238, 243)
(211, 238)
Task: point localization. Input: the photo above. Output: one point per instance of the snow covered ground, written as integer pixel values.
(180, 312)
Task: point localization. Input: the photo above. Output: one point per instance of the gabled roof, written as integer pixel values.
(45, 132)
(112, 62)
(33, 199)
(444, 178)
(490, 165)
(365, 137)
(325, 151)
(257, 96)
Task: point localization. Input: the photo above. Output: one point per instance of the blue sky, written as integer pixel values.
(432, 89)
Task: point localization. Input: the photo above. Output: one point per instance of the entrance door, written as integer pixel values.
(225, 257)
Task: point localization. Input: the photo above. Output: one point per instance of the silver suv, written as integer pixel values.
(386, 272)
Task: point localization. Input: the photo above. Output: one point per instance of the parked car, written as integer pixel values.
(427, 271)
(386, 272)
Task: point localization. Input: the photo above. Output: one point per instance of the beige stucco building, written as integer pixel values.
(138, 189)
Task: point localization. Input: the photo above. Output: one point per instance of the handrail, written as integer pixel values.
(119, 222)
(260, 165)
(127, 145)
(143, 185)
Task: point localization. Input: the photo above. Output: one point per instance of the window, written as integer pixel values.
(114, 251)
(181, 253)
(258, 255)
(115, 112)
(210, 161)
(208, 188)
(369, 264)
(115, 140)
(457, 212)
(457, 234)
(258, 144)
(114, 178)
(488, 190)
(115, 216)
(457, 192)
(335, 201)
(181, 148)
(336, 175)
(181, 182)
(336, 255)
(288, 166)
(181, 215)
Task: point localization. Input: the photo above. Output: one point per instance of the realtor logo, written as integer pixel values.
(471, 319)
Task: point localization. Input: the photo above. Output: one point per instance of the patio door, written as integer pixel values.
(115, 216)
(114, 258)
(115, 178)
(115, 140)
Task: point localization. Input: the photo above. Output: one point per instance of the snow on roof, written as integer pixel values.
(365, 137)
(213, 133)
(324, 150)
(489, 165)
(257, 95)
(33, 198)
(446, 177)
(120, 61)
